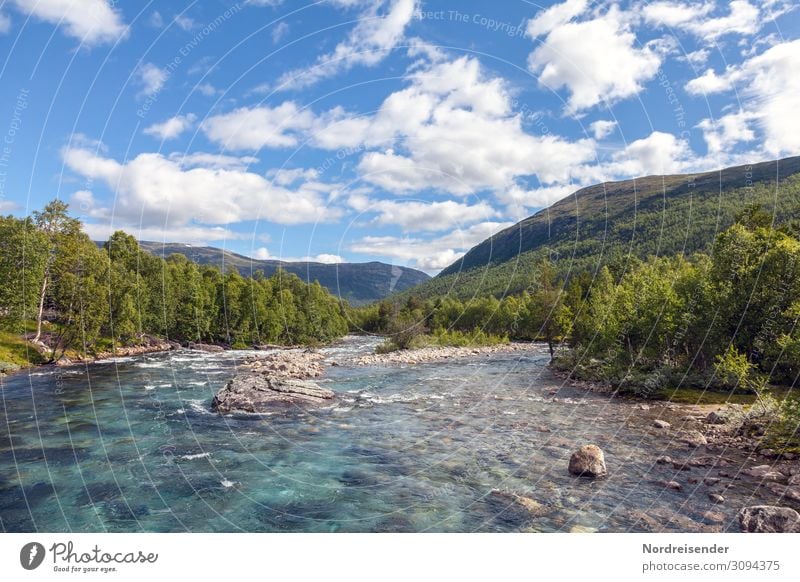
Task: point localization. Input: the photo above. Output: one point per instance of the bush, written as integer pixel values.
(477, 337)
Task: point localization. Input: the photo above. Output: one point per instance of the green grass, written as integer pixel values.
(16, 352)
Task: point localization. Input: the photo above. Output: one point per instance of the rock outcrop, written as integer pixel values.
(588, 461)
(258, 393)
(279, 378)
(769, 519)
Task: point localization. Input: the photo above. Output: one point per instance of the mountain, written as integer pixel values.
(654, 215)
(358, 283)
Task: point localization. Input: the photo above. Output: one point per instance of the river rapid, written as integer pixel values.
(132, 445)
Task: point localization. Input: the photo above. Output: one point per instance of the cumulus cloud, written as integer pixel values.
(658, 153)
(428, 254)
(420, 135)
(157, 191)
(602, 128)
(448, 110)
(263, 254)
(743, 18)
(151, 79)
(596, 59)
(279, 32)
(254, 128)
(5, 23)
(380, 28)
(90, 21)
(770, 85)
(418, 216)
(172, 127)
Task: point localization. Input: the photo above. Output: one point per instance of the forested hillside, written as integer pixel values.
(69, 294)
(357, 283)
(608, 223)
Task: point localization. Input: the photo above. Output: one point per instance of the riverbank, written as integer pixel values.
(441, 353)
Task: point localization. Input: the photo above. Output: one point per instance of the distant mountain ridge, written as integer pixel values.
(358, 283)
(654, 215)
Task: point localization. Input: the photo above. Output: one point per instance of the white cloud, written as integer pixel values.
(184, 22)
(258, 127)
(263, 254)
(602, 128)
(419, 136)
(8, 206)
(156, 191)
(697, 58)
(551, 18)
(520, 202)
(5, 23)
(279, 32)
(425, 131)
(723, 134)
(156, 20)
(417, 216)
(428, 254)
(381, 27)
(742, 18)
(182, 234)
(770, 85)
(212, 161)
(90, 21)
(675, 13)
(151, 78)
(172, 127)
(658, 153)
(596, 60)
(207, 89)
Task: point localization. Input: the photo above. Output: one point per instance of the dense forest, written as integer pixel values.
(727, 319)
(608, 223)
(68, 294)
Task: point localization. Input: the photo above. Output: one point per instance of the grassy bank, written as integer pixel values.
(16, 353)
(443, 338)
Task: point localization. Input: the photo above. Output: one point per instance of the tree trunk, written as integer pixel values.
(41, 310)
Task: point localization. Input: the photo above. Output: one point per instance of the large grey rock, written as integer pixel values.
(205, 347)
(588, 461)
(769, 519)
(259, 393)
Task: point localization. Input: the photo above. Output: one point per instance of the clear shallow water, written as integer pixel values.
(132, 445)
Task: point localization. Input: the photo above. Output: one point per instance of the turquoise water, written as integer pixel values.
(132, 445)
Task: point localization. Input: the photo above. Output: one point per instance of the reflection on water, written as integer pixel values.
(132, 445)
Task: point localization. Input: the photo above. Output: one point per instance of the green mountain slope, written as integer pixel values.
(655, 215)
(358, 283)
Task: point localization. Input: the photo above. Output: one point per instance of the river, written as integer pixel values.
(132, 445)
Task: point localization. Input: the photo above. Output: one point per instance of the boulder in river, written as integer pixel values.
(588, 461)
(769, 519)
(258, 393)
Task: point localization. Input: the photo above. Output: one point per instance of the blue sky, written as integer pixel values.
(399, 130)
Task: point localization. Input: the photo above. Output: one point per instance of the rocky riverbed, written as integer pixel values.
(441, 353)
